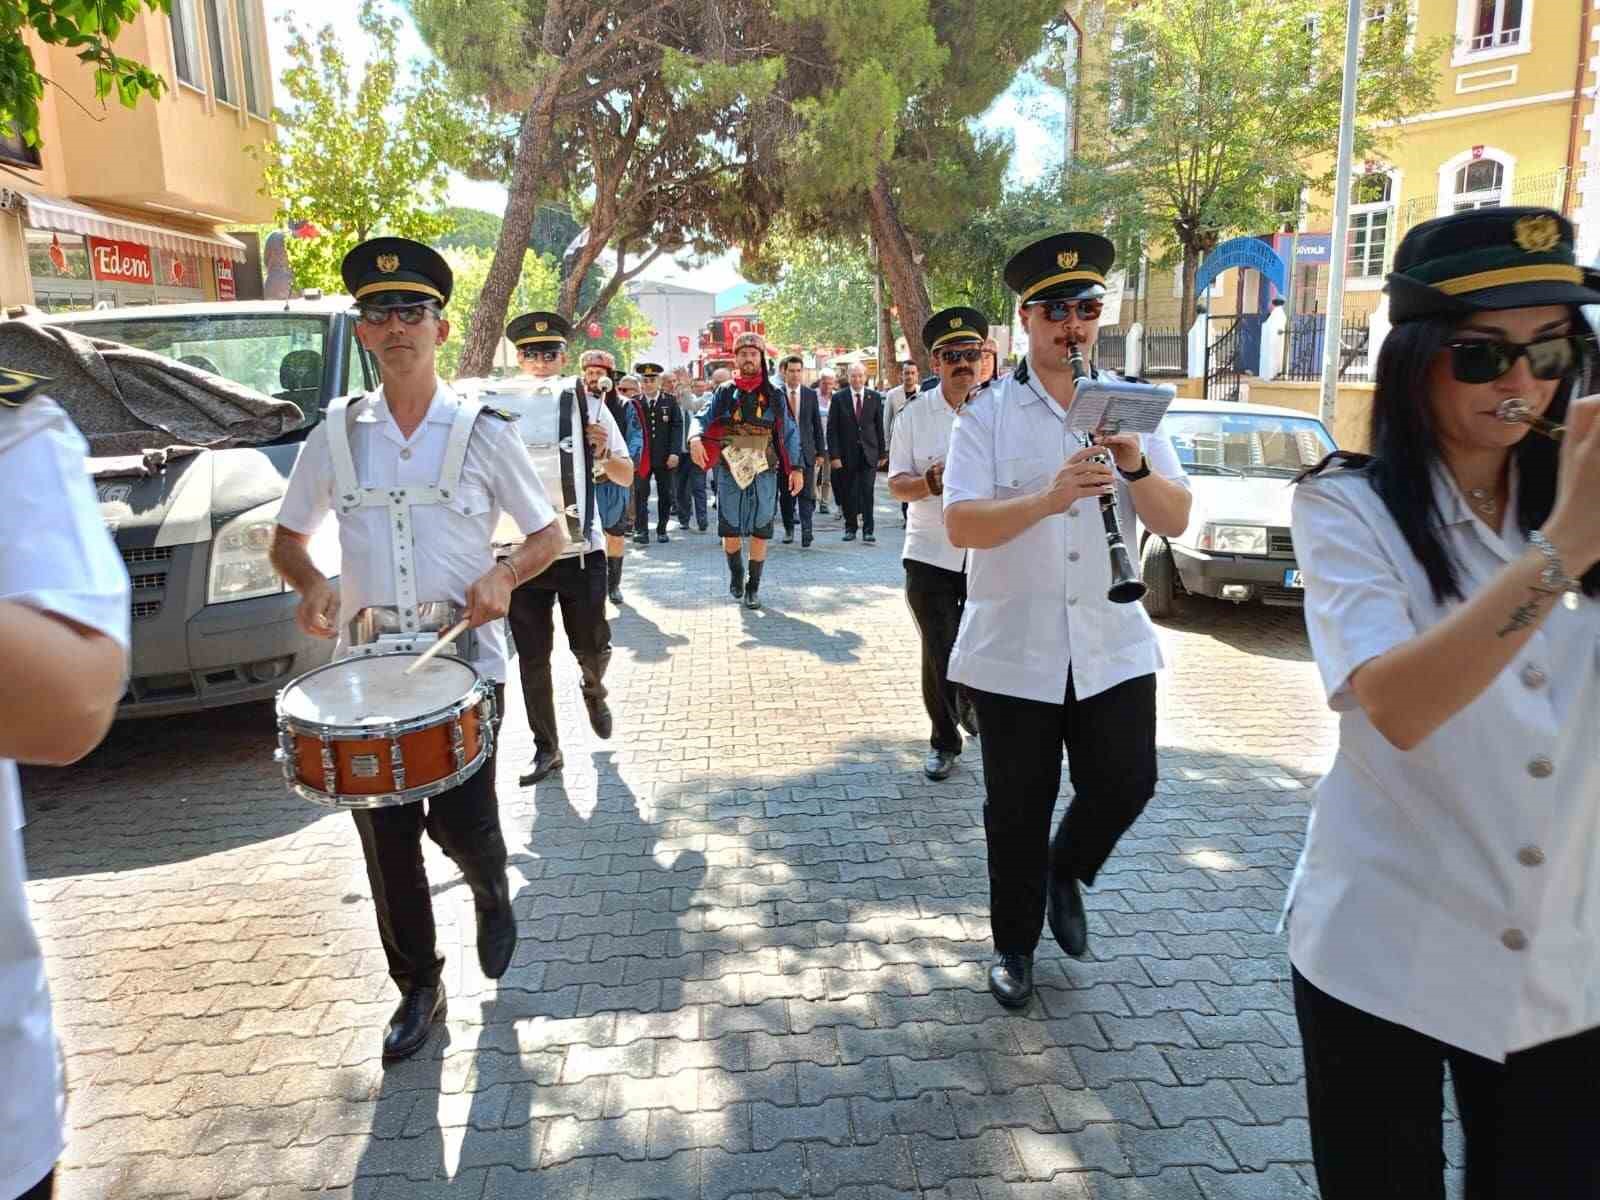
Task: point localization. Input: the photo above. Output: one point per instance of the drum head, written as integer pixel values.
(376, 691)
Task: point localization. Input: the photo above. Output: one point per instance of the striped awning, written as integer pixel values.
(68, 216)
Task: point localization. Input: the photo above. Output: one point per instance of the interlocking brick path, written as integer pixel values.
(753, 939)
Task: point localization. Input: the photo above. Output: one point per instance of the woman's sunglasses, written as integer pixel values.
(531, 352)
(630, 390)
(1060, 310)
(409, 314)
(961, 356)
(1483, 360)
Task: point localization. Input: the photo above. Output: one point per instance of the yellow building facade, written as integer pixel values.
(132, 206)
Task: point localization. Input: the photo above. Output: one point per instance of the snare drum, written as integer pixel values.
(361, 733)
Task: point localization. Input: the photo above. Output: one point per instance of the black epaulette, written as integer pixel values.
(17, 387)
(505, 414)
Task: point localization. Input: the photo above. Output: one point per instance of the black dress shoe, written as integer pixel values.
(544, 763)
(869, 539)
(849, 535)
(823, 509)
(1068, 921)
(967, 718)
(1011, 979)
(641, 539)
(938, 765)
(599, 715)
(497, 930)
(805, 540)
(661, 536)
(413, 1021)
(788, 537)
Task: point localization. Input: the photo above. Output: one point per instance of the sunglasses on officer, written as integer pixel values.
(1483, 360)
(1060, 310)
(962, 356)
(409, 314)
(532, 352)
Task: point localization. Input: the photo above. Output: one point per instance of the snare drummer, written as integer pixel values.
(466, 463)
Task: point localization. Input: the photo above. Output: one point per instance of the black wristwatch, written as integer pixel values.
(1135, 476)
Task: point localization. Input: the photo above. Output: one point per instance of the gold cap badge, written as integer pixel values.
(1536, 234)
(17, 386)
(1067, 259)
(541, 326)
(955, 322)
(388, 263)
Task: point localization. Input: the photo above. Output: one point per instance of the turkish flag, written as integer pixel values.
(593, 329)
(683, 343)
(624, 333)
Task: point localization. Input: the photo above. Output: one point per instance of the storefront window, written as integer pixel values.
(71, 272)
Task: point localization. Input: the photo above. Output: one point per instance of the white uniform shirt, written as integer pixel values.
(452, 541)
(922, 438)
(1030, 601)
(1454, 888)
(616, 445)
(55, 556)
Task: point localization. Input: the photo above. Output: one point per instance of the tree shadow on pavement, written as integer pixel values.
(770, 626)
(642, 638)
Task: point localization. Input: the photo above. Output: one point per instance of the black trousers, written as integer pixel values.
(1110, 740)
(42, 1190)
(805, 504)
(580, 585)
(464, 822)
(854, 487)
(663, 477)
(936, 597)
(1373, 1091)
(690, 487)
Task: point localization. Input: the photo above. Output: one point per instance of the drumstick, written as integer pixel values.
(451, 635)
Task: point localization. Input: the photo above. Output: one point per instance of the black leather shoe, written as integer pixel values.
(967, 718)
(788, 538)
(849, 535)
(805, 541)
(413, 1021)
(661, 536)
(1011, 979)
(641, 539)
(869, 539)
(751, 600)
(1068, 921)
(823, 509)
(938, 765)
(544, 763)
(615, 594)
(497, 930)
(599, 715)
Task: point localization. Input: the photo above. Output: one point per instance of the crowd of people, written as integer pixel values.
(1445, 912)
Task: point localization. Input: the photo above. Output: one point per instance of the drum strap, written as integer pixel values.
(569, 483)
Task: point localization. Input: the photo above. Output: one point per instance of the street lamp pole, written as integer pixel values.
(1341, 215)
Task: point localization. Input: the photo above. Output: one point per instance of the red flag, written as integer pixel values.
(623, 333)
(683, 343)
(593, 329)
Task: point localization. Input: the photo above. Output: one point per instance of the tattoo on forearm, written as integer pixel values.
(1524, 614)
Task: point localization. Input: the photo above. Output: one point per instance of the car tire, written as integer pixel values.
(1160, 577)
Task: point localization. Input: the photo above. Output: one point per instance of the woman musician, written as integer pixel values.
(1446, 909)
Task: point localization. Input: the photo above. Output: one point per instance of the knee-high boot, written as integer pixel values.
(614, 579)
(753, 583)
(736, 573)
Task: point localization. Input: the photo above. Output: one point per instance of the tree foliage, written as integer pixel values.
(359, 159)
(966, 262)
(1210, 111)
(87, 26)
(820, 293)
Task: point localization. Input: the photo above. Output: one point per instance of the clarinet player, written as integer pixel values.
(1050, 660)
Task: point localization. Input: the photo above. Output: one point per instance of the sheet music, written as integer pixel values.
(1115, 405)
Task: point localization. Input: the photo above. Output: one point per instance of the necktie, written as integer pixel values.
(858, 408)
(794, 403)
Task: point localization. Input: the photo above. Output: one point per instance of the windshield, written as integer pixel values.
(280, 355)
(1246, 443)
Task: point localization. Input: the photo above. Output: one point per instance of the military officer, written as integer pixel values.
(466, 463)
(663, 437)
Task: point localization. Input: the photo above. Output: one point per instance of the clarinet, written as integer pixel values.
(1126, 586)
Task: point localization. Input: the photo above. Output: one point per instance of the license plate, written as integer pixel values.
(1291, 579)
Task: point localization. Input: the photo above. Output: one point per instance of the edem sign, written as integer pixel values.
(120, 262)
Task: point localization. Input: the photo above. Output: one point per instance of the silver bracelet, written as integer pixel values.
(1554, 577)
(508, 565)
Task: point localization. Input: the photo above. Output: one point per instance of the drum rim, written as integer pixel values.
(393, 729)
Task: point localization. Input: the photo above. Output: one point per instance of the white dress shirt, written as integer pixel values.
(1035, 598)
(595, 410)
(922, 438)
(1453, 888)
(452, 541)
(56, 557)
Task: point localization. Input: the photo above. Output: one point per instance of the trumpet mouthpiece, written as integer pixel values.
(1513, 412)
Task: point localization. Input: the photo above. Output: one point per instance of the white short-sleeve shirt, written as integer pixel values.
(56, 557)
(1453, 888)
(452, 543)
(1037, 604)
(921, 438)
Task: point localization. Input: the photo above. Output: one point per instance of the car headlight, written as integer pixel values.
(1234, 539)
(241, 564)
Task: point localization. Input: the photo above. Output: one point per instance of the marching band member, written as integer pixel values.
(1446, 908)
(457, 464)
(1047, 658)
(747, 412)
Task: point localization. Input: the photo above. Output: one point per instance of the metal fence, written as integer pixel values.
(1304, 341)
(1111, 351)
(1163, 351)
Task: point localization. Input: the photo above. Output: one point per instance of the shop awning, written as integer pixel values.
(68, 216)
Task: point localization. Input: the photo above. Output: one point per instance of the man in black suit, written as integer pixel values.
(807, 417)
(663, 440)
(856, 448)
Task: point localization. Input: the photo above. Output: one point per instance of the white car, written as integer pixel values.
(1242, 460)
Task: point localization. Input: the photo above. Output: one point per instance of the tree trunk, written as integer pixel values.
(1191, 264)
(614, 285)
(899, 264)
(588, 254)
(487, 325)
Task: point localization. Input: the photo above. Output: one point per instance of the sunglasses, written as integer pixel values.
(1060, 310)
(409, 314)
(1483, 360)
(529, 352)
(630, 390)
(961, 356)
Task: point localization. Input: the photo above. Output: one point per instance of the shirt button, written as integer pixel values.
(1531, 856)
(1541, 768)
(1533, 677)
(1073, 556)
(1514, 939)
(406, 453)
(1073, 512)
(1071, 601)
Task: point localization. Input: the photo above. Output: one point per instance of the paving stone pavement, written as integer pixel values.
(753, 939)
